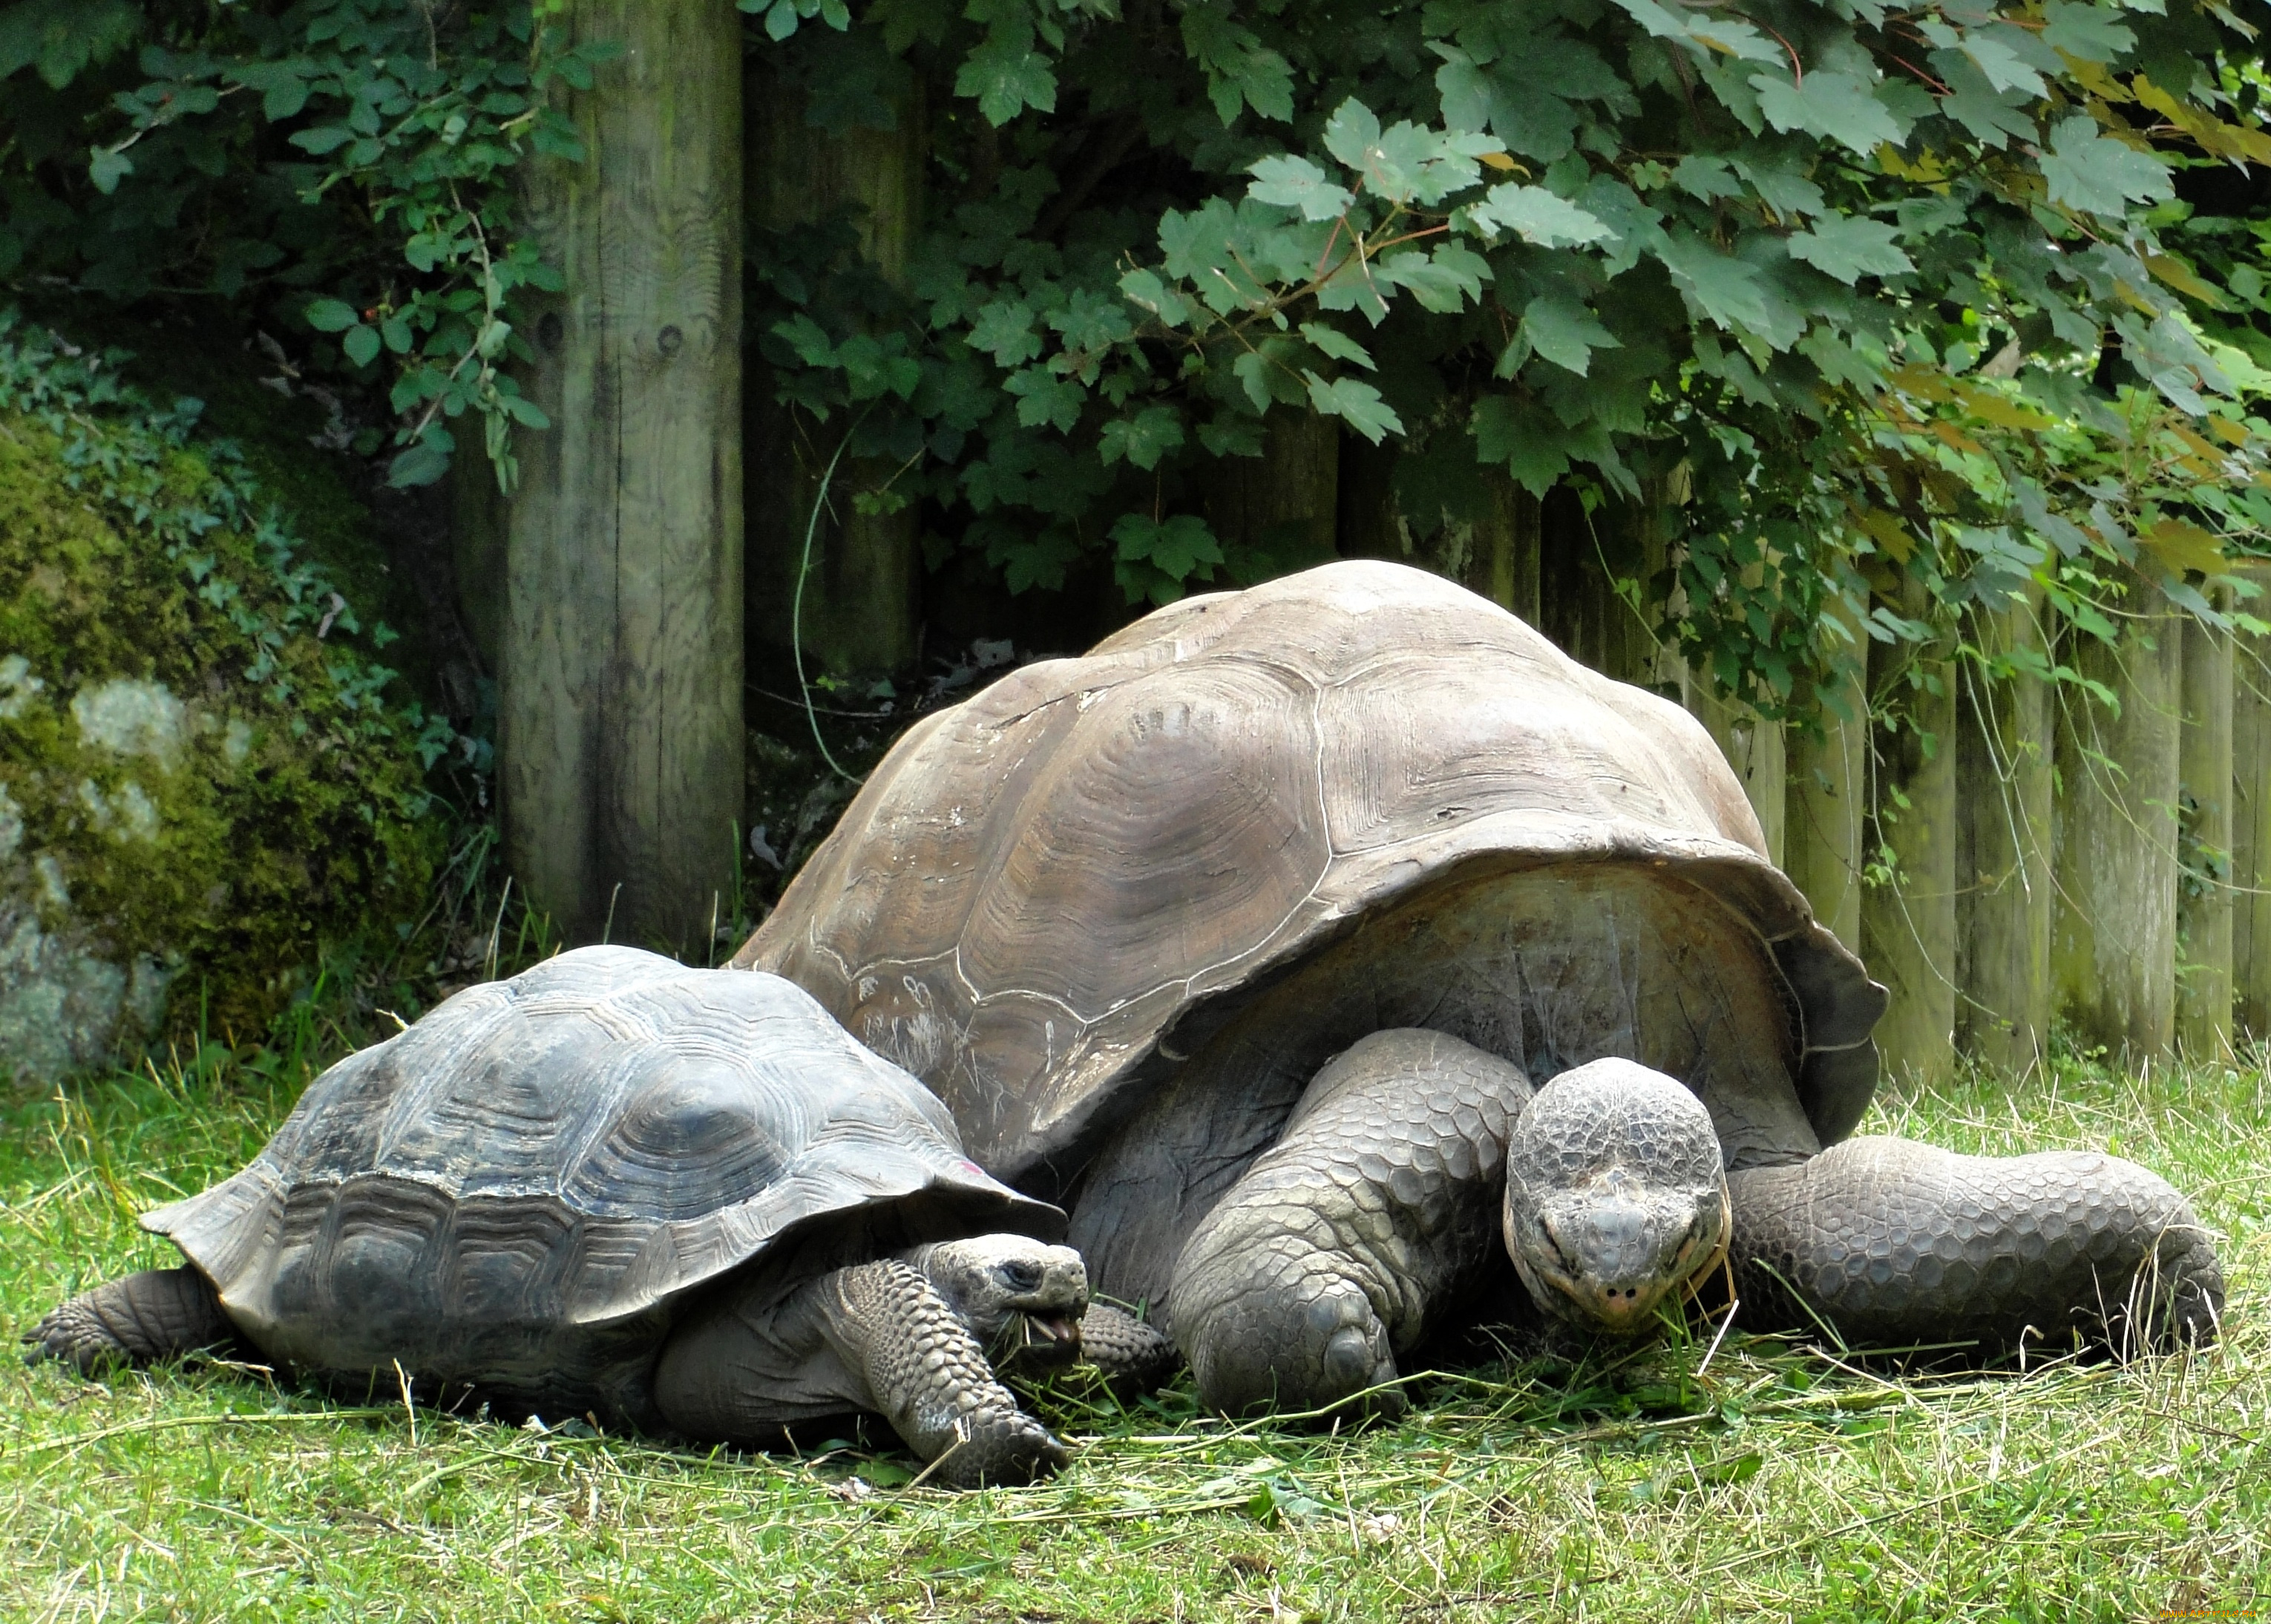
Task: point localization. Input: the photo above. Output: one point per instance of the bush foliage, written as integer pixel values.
(1862, 295)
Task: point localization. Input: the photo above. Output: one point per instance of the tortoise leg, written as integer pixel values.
(137, 1320)
(1895, 1244)
(875, 1337)
(1336, 1249)
(1131, 1356)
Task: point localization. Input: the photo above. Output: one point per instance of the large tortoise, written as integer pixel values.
(682, 1200)
(1122, 910)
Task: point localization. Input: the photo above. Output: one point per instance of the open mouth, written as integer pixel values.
(1044, 1341)
(1055, 1335)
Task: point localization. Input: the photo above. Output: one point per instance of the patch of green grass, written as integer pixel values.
(1773, 1483)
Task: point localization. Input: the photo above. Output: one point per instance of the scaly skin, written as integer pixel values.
(929, 1377)
(137, 1320)
(1333, 1253)
(1895, 1244)
(1130, 1355)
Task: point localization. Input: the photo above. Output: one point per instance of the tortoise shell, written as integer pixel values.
(1047, 898)
(513, 1193)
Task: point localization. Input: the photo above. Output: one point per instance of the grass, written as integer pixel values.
(1776, 1482)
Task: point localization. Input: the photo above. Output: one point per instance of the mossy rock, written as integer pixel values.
(204, 777)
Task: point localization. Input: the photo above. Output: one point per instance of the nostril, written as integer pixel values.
(1348, 1360)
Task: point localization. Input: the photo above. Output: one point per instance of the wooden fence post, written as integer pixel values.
(2251, 837)
(619, 706)
(2204, 894)
(2004, 883)
(1825, 802)
(861, 609)
(1287, 499)
(1754, 748)
(2113, 950)
(1908, 927)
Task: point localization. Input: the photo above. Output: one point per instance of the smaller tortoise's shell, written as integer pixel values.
(512, 1193)
(1042, 894)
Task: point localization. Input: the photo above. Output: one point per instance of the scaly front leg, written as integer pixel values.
(1895, 1244)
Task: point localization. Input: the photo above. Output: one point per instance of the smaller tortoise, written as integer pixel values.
(684, 1201)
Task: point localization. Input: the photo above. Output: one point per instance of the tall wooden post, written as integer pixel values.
(1581, 557)
(2113, 950)
(861, 605)
(1495, 554)
(2250, 835)
(2204, 895)
(1908, 927)
(620, 717)
(1287, 500)
(1824, 805)
(2004, 884)
(1754, 748)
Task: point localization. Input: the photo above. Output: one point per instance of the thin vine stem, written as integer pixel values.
(796, 604)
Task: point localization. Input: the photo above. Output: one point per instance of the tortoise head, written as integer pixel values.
(1022, 1298)
(1615, 1195)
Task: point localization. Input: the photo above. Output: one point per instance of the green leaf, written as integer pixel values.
(1835, 105)
(1565, 332)
(1521, 438)
(1536, 215)
(1444, 282)
(1351, 133)
(1356, 402)
(65, 37)
(1004, 330)
(1333, 342)
(1252, 370)
(1297, 184)
(807, 338)
(1044, 398)
(1144, 438)
(1145, 290)
(329, 315)
(1849, 247)
(360, 344)
(2085, 170)
(780, 22)
(107, 166)
(1157, 558)
(1720, 288)
(1007, 81)
(323, 138)
(2000, 64)
(2091, 33)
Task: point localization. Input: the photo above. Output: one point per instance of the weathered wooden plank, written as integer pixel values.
(2005, 882)
(1285, 503)
(2251, 834)
(2113, 948)
(1825, 802)
(2204, 895)
(1581, 558)
(1908, 925)
(1754, 748)
(861, 608)
(1495, 554)
(620, 719)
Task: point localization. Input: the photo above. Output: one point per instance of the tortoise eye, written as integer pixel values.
(1021, 1275)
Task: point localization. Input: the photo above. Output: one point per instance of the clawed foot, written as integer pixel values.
(76, 1336)
(1000, 1446)
(1132, 1357)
